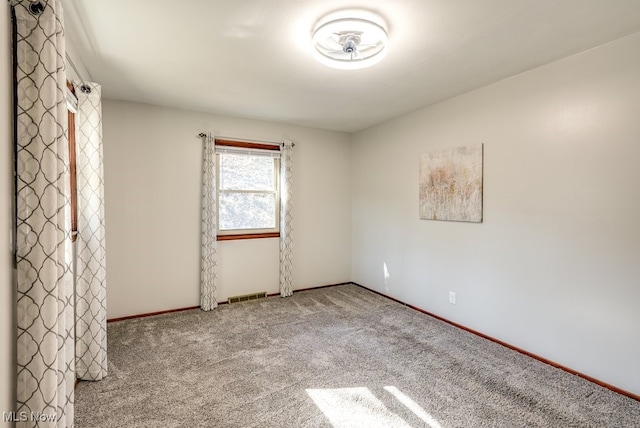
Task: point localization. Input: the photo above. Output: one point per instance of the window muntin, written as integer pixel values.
(248, 192)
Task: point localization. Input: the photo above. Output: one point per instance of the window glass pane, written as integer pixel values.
(246, 172)
(247, 211)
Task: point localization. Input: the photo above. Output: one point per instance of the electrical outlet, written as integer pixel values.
(452, 297)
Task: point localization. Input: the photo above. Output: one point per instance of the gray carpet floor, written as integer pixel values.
(333, 357)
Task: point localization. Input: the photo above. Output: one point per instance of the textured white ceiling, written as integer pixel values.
(252, 58)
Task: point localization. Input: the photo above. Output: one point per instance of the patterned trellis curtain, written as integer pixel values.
(91, 292)
(286, 243)
(45, 320)
(208, 254)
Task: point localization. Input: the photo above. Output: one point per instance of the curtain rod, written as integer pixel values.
(251, 140)
(73, 66)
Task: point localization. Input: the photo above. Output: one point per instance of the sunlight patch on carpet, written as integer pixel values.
(413, 406)
(354, 407)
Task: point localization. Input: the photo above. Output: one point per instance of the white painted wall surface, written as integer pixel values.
(555, 267)
(7, 313)
(152, 161)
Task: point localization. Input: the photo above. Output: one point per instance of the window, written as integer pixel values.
(248, 190)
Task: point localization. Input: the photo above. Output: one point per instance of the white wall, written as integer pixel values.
(152, 161)
(555, 267)
(7, 314)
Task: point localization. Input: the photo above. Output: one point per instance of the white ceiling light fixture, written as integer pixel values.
(350, 42)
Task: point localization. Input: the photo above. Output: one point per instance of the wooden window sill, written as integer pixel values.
(248, 236)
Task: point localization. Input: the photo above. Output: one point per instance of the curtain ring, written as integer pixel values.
(36, 8)
(85, 89)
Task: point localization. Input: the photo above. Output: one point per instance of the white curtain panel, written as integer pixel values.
(286, 243)
(45, 320)
(91, 292)
(208, 254)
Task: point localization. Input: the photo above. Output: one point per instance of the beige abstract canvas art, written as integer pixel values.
(451, 184)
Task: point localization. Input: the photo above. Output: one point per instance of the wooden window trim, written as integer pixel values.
(239, 236)
(248, 145)
(72, 170)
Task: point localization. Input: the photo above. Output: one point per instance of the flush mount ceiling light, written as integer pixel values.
(350, 43)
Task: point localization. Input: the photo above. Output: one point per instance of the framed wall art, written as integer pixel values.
(451, 184)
